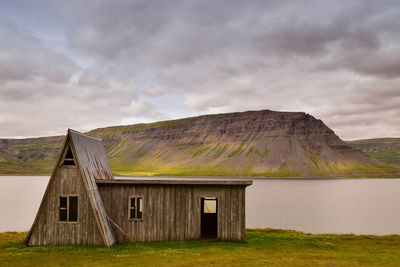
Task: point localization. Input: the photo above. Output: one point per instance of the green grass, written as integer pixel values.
(355, 169)
(156, 167)
(176, 170)
(386, 156)
(106, 132)
(386, 150)
(268, 247)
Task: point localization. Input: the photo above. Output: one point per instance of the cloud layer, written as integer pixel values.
(131, 61)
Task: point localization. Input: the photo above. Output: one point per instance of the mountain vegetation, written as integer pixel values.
(253, 143)
(386, 150)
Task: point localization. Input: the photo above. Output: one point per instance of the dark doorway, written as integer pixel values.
(209, 217)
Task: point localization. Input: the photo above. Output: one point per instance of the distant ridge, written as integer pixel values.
(386, 150)
(252, 143)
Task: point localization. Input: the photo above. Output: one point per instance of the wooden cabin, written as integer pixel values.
(84, 204)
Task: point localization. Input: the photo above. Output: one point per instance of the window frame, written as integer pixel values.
(213, 199)
(136, 197)
(64, 159)
(67, 208)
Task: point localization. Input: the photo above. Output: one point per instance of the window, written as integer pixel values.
(210, 205)
(136, 208)
(63, 209)
(69, 158)
(68, 209)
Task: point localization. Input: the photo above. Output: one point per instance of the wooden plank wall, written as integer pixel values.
(172, 212)
(48, 231)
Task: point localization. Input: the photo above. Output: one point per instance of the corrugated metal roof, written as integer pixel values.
(168, 181)
(93, 163)
(92, 158)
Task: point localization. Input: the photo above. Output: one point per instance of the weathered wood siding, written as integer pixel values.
(172, 212)
(48, 230)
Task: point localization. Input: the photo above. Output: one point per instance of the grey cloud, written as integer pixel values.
(129, 29)
(38, 94)
(24, 57)
(74, 107)
(375, 64)
(335, 60)
(154, 90)
(91, 77)
(155, 35)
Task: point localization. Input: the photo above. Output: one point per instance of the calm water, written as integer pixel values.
(367, 206)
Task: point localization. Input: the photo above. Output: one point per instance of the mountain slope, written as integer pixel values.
(386, 150)
(264, 143)
(29, 156)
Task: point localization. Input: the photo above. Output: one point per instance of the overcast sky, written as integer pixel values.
(90, 64)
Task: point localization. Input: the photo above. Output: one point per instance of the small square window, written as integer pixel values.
(68, 209)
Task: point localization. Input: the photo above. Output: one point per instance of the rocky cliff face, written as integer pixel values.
(264, 143)
(247, 143)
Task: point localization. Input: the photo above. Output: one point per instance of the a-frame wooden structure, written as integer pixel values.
(84, 204)
(72, 210)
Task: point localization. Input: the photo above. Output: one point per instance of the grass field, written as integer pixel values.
(267, 247)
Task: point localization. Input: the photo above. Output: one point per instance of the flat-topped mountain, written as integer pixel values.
(262, 143)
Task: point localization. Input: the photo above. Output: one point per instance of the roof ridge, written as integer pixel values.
(90, 137)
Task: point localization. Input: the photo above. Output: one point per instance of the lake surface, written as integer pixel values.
(359, 206)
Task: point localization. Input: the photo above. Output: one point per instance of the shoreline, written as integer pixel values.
(230, 177)
(256, 177)
(265, 230)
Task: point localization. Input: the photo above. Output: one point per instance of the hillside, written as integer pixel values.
(386, 150)
(261, 143)
(29, 156)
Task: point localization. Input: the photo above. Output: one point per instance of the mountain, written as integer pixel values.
(386, 150)
(29, 156)
(252, 143)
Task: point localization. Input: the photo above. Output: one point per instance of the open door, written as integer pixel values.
(209, 217)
